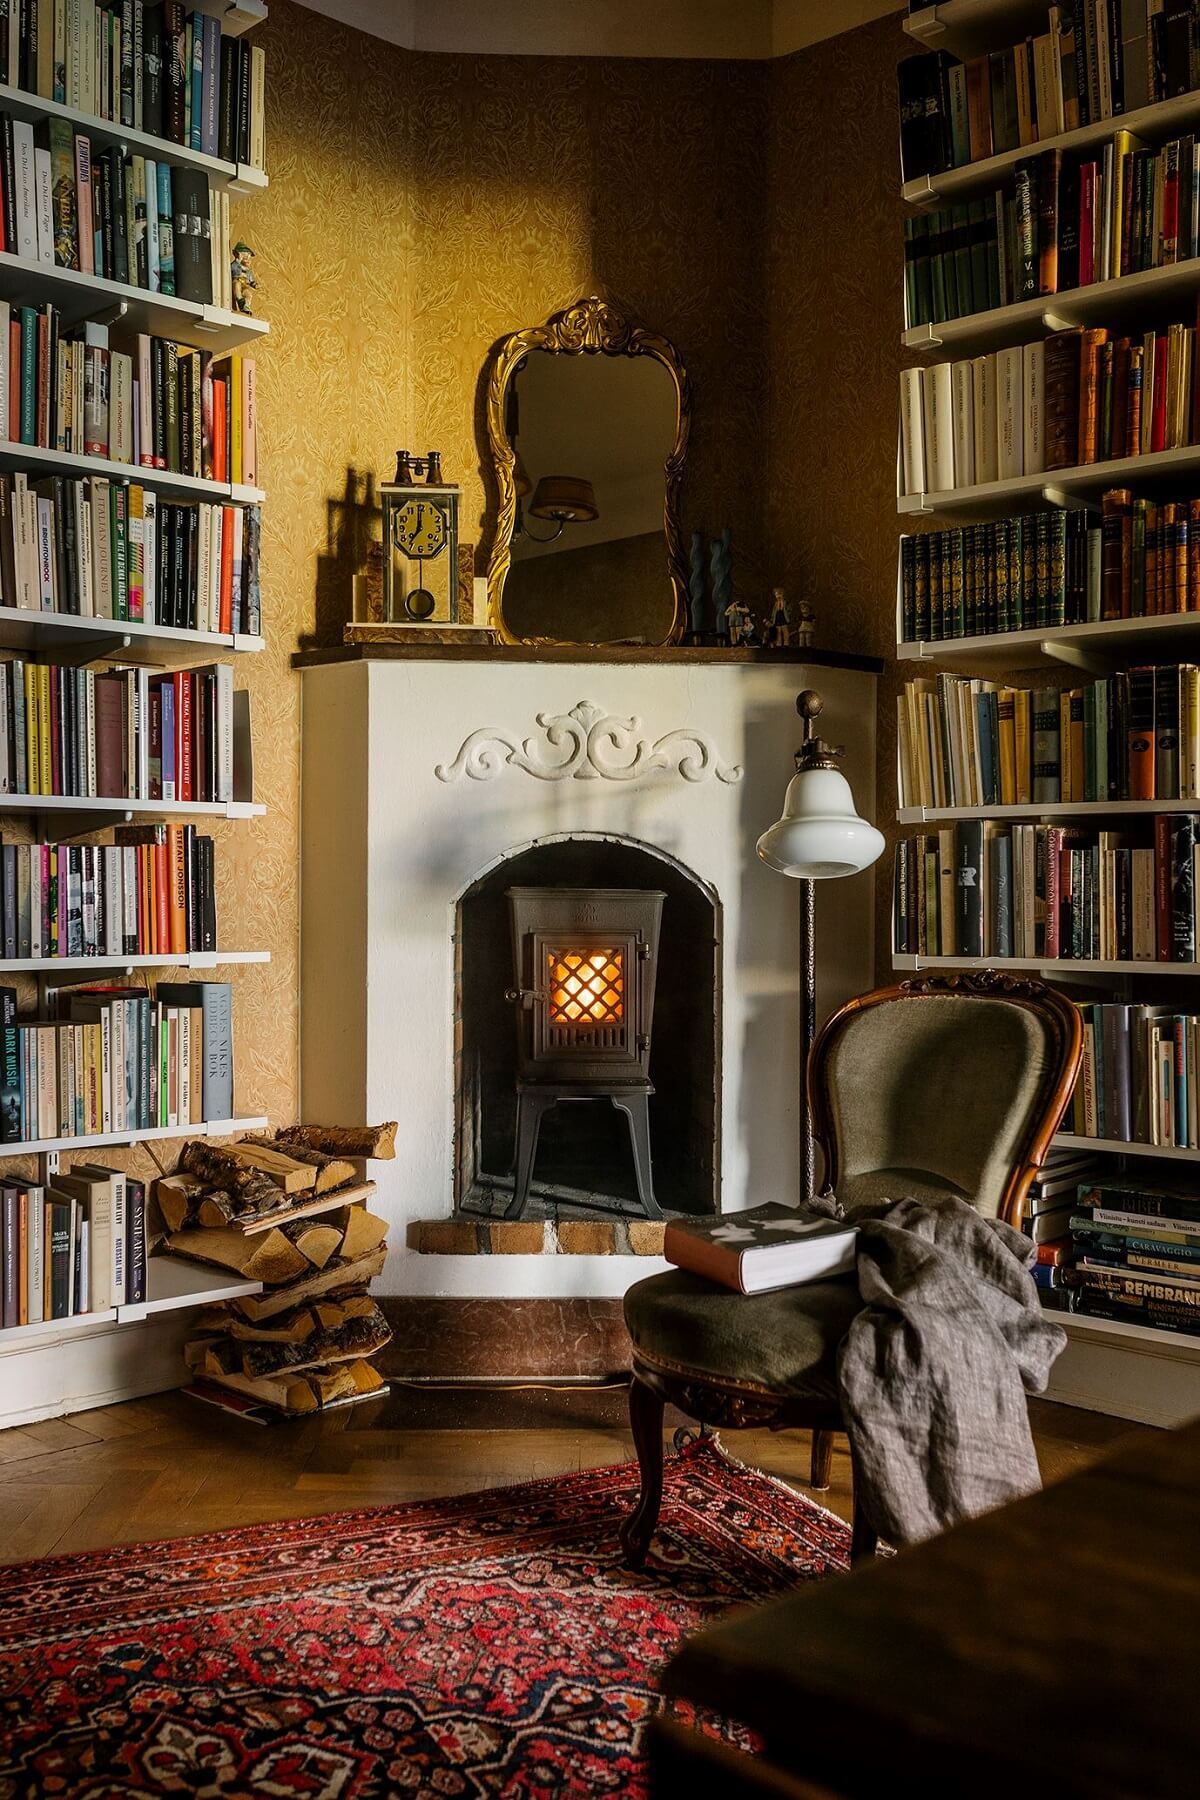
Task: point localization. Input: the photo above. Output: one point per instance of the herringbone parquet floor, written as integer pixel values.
(168, 1467)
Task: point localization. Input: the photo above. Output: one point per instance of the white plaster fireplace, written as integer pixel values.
(422, 773)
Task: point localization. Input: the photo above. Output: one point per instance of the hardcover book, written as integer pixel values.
(764, 1248)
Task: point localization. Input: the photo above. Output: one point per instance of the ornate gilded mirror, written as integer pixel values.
(587, 420)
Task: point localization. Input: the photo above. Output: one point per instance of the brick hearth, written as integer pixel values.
(536, 1237)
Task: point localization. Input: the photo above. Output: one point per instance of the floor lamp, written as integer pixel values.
(820, 837)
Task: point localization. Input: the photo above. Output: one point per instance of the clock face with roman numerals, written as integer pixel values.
(420, 528)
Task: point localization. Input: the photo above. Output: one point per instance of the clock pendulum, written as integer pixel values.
(419, 602)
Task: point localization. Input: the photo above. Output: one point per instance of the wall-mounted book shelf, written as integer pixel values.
(1109, 642)
(1165, 119)
(75, 639)
(1073, 1140)
(31, 457)
(1059, 809)
(110, 1140)
(123, 812)
(179, 959)
(239, 178)
(1059, 487)
(171, 1283)
(968, 26)
(1107, 303)
(1061, 968)
(78, 296)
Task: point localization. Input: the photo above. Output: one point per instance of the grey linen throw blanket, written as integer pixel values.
(933, 1372)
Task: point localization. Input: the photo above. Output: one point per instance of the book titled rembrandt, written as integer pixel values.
(767, 1247)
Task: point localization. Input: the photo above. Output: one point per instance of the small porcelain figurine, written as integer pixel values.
(779, 628)
(740, 621)
(806, 626)
(242, 277)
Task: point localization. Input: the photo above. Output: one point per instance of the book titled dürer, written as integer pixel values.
(767, 1247)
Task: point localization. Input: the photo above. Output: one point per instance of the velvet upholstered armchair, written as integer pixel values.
(943, 1085)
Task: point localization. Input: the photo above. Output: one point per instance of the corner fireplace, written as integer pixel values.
(603, 1100)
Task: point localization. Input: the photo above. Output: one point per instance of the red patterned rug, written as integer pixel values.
(491, 1644)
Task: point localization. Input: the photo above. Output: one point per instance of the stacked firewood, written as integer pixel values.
(289, 1211)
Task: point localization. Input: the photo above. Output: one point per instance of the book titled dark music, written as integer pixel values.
(764, 1248)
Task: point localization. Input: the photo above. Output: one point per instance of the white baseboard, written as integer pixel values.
(1154, 1383)
(86, 1368)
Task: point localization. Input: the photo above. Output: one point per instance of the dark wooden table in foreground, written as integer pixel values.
(1051, 1647)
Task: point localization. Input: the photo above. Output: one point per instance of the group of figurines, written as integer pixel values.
(715, 617)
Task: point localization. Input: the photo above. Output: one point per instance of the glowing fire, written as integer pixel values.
(586, 987)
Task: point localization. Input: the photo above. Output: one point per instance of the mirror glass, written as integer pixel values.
(587, 423)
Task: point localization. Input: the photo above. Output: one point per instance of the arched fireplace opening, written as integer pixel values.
(584, 1162)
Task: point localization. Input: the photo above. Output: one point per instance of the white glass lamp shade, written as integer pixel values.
(820, 836)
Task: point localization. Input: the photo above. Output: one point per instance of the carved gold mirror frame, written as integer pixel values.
(590, 327)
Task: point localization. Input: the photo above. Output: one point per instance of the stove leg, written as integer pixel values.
(636, 1108)
(531, 1109)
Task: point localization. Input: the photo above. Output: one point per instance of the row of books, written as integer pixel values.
(159, 405)
(1063, 222)
(158, 68)
(77, 1246)
(1130, 736)
(117, 1059)
(1074, 398)
(108, 213)
(1138, 1082)
(1095, 60)
(152, 892)
(1056, 893)
(1132, 1252)
(1036, 570)
(111, 549)
(121, 734)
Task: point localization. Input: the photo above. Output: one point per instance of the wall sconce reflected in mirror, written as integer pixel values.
(563, 499)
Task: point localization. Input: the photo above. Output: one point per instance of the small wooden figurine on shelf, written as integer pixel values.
(242, 277)
(806, 626)
(778, 634)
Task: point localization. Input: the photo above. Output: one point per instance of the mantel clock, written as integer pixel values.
(420, 544)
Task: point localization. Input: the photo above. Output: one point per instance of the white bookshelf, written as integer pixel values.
(1064, 809)
(125, 640)
(106, 133)
(193, 960)
(171, 1284)
(1060, 968)
(1074, 1140)
(1164, 120)
(1058, 487)
(1100, 303)
(1109, 642)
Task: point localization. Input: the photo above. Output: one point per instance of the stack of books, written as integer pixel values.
(156, 404)
(74, 1246)
(152, 892)
(1078, 397)
(287, 1211)
(1140, 1075)
(1051, 1200)
(161, 69)
(1130, 736)
(127, 734)
(1051, 893)
(1089, 63)
(1135, 1255)
(116, 1059)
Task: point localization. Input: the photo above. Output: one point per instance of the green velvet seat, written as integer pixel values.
(944, 1085)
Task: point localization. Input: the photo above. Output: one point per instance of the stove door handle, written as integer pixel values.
(526, 997)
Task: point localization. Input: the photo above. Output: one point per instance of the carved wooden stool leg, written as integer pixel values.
(645, 1421)
(822, 1459)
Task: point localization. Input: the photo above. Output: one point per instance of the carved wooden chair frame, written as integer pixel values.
(739, 1406)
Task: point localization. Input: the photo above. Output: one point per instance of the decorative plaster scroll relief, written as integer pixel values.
(587, 744)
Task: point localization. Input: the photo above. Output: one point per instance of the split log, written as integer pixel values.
(249, 1189)
(361, 1231)
(307, 1393)
(335, 1277)
(289, 1173)
(377, 1141)
(316, 1243)
(301, 1323)
(271, 1257)
(215, 1207)
(360, 1333)
(177, 1196)
(330, 1171)
(307, 1207)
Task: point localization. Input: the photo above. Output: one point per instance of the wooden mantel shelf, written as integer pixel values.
(665, 655)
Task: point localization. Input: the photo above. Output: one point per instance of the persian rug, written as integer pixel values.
(490, 1644)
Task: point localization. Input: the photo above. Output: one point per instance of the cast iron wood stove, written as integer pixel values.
(585, 961)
